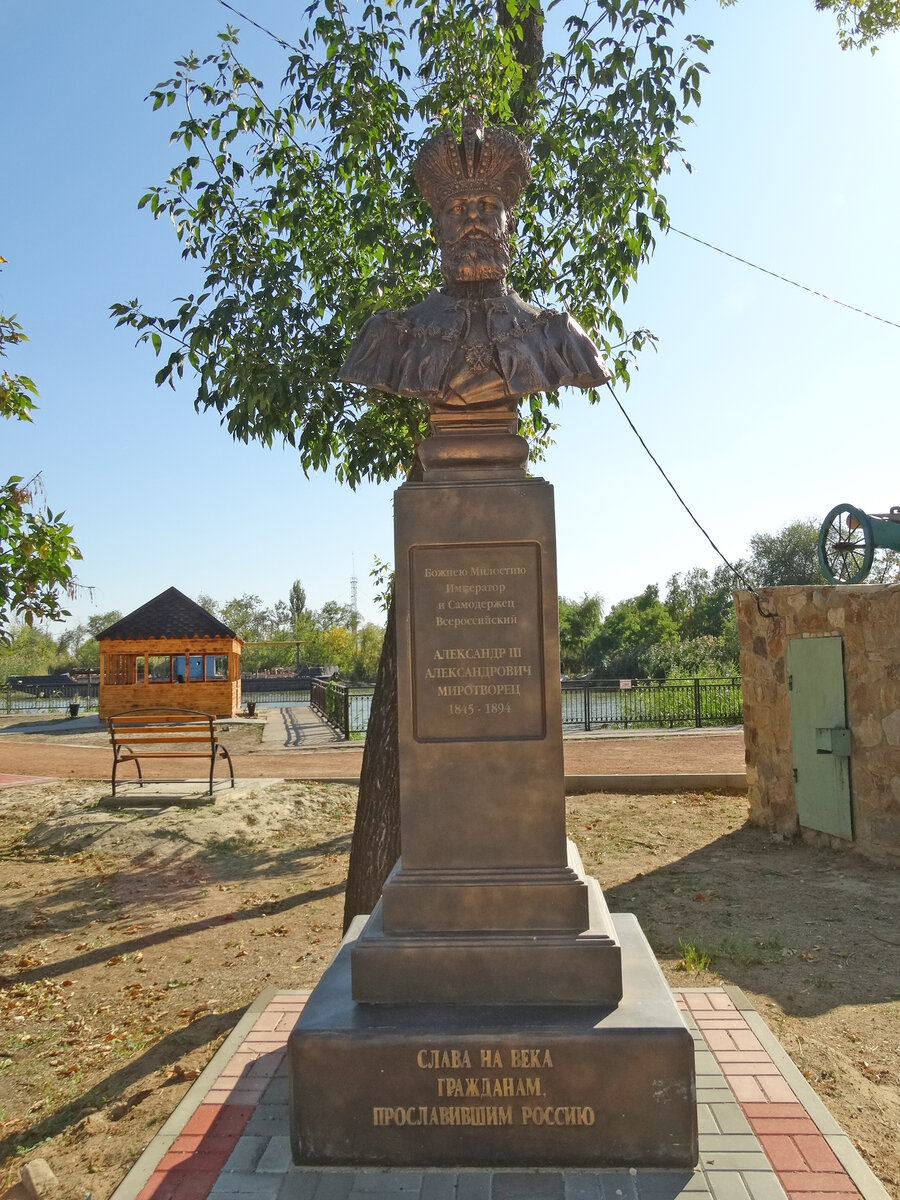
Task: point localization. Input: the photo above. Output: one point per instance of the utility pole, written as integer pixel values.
(354, 611)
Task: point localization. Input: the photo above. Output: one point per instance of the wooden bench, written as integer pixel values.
(165, 733)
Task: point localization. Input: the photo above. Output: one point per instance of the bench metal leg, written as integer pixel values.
(221, 752)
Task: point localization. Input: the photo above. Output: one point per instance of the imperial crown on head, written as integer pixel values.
(486, 159)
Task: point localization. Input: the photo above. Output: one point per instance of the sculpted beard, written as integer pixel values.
(475, 257)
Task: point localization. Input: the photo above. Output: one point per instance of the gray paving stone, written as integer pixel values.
(246, 1154)
(277, 1092)
(714, 1083)
(738, 1161)
(729, 1118)
(528, 1185)
(618, 1185)
(473, 1185)
(300, 1183)
(389, 1192)
(387, 1183)
(277, 1155)
(335, 1185)
(252, 1186)
(764, 1185)
(706, 1063)
(714, 1095)
(859, 1171)
(581, 1185)
(438, 1185)
(727, 1185)
(257, 1194)
(667, 1185)
(697, 1183)
(718, 1142)
(267, 1124)
(706, 1122)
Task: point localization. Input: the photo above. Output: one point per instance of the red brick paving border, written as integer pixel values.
(197, 1155)
(800, 1155)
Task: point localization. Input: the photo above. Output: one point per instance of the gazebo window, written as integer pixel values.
(159, 668)
(181, 668)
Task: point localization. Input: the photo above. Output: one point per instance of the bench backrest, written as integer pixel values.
(159, 725)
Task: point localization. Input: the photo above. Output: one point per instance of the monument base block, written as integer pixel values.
(495, 1085)
(498, 966)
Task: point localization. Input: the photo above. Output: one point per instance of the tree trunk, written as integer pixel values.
(528, 47)
(376, 834)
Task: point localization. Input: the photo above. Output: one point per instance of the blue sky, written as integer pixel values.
(763, 403)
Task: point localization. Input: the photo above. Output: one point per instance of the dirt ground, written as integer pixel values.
(131, 942)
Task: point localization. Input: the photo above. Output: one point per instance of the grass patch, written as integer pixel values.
(693, 958)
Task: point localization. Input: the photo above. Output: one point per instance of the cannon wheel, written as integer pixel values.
(846, 545)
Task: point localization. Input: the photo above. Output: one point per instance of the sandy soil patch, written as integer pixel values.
(131, 943)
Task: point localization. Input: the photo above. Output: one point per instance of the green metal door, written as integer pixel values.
(820, 735)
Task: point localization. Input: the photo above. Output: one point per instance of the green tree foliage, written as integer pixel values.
(27, 651)
(37, 547)
(860, 22)
(300, 211)
(333, 615)
(700, 603)
(786, 557)
(78, 646)
(627, 633)
(579, 624)
(704, 656)
(370, 639)
(302, 214)
(297, 604)
(326, 638)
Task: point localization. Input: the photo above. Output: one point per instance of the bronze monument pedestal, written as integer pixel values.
(537, 1085)
(489, 1011)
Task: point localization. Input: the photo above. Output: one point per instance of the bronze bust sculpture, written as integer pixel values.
(474, 343)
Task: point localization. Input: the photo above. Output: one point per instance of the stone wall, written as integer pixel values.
(867, 616)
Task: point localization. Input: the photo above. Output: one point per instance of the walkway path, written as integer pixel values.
(652, 754)
(297, 728)
(764, 1133)
(298, 744)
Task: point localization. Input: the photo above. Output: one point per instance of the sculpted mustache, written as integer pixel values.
(479, 235)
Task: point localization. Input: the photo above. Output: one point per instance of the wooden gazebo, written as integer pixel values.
(170, 652)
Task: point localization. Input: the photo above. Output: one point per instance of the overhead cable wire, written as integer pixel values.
(738, 574)
(783, 278)
(274, 36)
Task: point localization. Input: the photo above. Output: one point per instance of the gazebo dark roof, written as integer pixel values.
(171, 614)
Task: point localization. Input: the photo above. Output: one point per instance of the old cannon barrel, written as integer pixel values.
(849, 538)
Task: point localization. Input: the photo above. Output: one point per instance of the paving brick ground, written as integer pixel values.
(764, 1135)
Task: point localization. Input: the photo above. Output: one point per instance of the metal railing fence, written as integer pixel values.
(650, 703)
(31, 698)
(275, 695)
(344, 706)
(586, 704)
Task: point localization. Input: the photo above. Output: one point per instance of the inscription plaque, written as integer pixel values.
(477, 642)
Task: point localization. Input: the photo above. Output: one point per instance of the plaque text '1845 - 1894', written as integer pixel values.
(477, 642)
